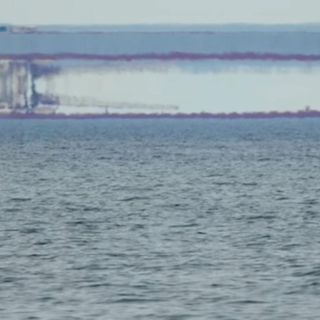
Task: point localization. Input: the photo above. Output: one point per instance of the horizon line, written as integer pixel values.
(202, 26)
(228, 56)
(304, 113)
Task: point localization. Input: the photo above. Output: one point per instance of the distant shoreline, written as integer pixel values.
(203, 115)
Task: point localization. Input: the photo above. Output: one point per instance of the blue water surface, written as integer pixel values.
(159, 219)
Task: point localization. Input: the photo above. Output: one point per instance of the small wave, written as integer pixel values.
(30, 230)
(312, 273)
(103, 158)
(310, 202)
(91, 209)
(248, 301)
(42, 243)
(282, 198)
(20, 199)
(11, 210)
(222, 183)
(190, 225)
(249, 184)
(76, 222)
(264, 159)
(136, 198)
(96, 285)
(136, 300)
(216, 285)
(8, 280)
(262, 217)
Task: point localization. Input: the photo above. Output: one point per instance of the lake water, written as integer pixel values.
(160, 219)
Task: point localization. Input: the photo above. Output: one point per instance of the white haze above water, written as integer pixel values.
(236, 91)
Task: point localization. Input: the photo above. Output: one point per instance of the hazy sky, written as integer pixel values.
(203, 92)
(157, 11)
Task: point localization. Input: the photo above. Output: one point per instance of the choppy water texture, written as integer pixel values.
(160, 219)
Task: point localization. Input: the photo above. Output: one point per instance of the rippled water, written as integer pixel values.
(160, 219)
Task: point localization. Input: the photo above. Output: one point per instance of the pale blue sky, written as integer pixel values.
(158, 11)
